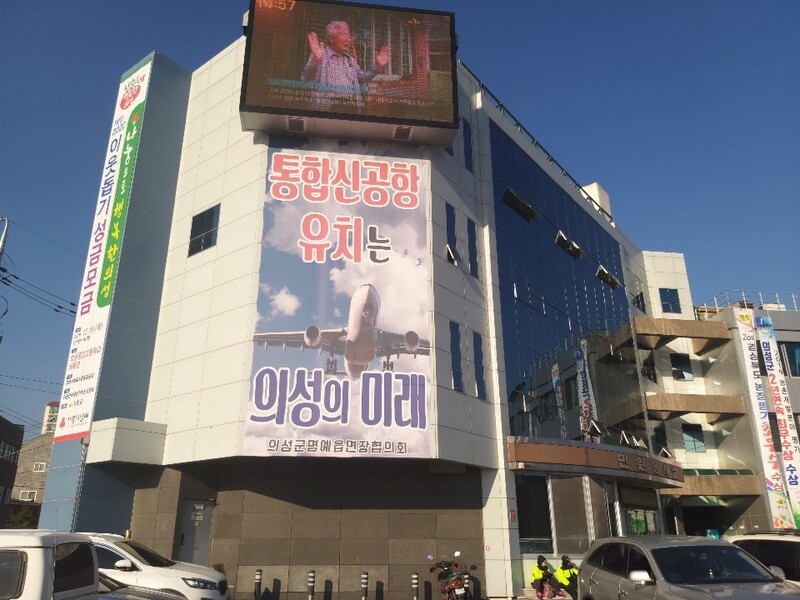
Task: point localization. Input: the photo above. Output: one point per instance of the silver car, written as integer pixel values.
(661, 567)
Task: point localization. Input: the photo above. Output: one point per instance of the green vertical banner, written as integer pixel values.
(119, 210)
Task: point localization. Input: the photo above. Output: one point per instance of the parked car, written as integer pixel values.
(36, 564)
(664, 567)
(777, 548)
(114, 590)
(132, 563)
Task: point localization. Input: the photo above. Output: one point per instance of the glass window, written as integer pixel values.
(147, 555)
(693, 438)
(455, 357)
(669, 300)
(533, 506)
(27, 495)
(12, 570)
(790, 352)
(637, 561)
(204, 230)
(472, 245)
(38, 467)
(615, 558)
(572, 530)
(709, 564)
(467, 129)
(681, 367)
(477, 348)
(452, 253)
(74, 567)
(638, 302)
(777, 553)
(106, 559)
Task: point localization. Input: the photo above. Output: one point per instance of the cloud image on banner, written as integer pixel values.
(341, 358)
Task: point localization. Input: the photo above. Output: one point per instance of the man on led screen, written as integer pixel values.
(341, 82)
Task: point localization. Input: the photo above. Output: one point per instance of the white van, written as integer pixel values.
(36, 564)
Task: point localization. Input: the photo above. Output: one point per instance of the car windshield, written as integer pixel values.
(709, 564)
(145, 554)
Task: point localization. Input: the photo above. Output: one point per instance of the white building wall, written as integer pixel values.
(203, 352)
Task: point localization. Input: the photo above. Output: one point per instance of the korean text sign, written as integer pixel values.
(100, 273)
(341, 361)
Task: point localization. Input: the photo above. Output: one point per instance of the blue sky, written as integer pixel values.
(686, 112)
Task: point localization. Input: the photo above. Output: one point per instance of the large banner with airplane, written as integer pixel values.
(341, 346)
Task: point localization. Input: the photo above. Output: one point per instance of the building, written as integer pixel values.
(50, 416)
(10, 442)
(238, 419)
(34, 458)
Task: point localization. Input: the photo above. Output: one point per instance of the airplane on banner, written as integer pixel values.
(359, 343)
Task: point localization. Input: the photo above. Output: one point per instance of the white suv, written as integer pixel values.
(132, 563)
(781, 549)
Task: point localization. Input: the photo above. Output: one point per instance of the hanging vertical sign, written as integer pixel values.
(789, 452)
(585, 390)
(558, 393)
(102, 262)
(777, 496)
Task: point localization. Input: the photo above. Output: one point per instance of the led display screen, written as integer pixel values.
(350, 61)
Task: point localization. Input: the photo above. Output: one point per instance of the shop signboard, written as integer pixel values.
(79, 393)
(341, 363)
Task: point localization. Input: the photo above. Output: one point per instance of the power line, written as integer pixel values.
(22, 387)
(57, 245)
(28, 379)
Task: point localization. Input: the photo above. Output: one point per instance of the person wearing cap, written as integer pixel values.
(567, 576)
(542, 574)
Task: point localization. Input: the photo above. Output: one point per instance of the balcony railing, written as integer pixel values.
(777, 301)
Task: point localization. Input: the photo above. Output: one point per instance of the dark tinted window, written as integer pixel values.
(204, 230)
(472, 245)
(74, 567)
(669, 300)
(477, 347)
(596, 558)
(637, 561)
(467, 129)
(709, 564)
(106, 558)
(455, 356)
(145, 554)
(777, 553)
(12, 571)
(615, 559)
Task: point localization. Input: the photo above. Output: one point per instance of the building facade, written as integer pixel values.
(232, 419)
(10, 443)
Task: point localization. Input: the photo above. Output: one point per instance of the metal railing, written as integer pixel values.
(777, 301)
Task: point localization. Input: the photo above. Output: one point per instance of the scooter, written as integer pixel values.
(454, 582)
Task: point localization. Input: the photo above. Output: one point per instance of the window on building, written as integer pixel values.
(790, 353)
(669, 300)
(693, 438)
(533, 506)
(450, 224)
(681, 367)
(467, 129)
(477, 348)
(204, 230)
(455, 356)
(74, 567)
(649, 367)
(39, 467)
(472, 245)
(638, 302)
(27, 495)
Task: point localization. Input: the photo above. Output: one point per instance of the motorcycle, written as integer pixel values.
(453, 581)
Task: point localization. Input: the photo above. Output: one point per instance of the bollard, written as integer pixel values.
(415, 585)
(311, 578)
(364, 584)
(257, 589)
